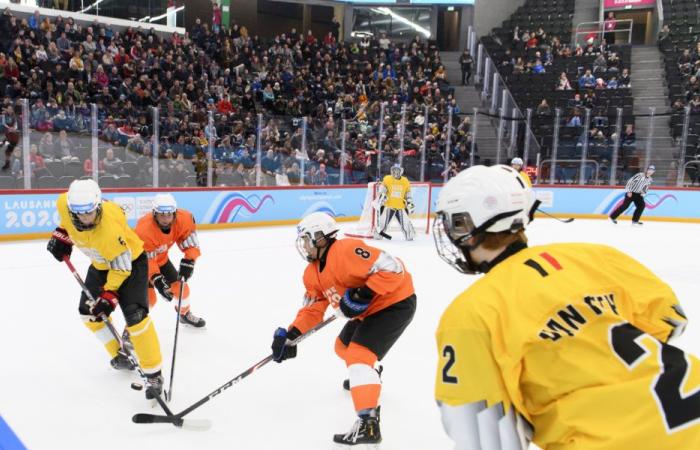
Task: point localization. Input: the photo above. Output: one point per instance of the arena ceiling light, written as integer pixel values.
(388, 12)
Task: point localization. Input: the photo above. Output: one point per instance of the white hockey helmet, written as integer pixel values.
(312, 230)
(396, 171)
(164, 204)
(517, 161)
(479, 200)
(84, 197)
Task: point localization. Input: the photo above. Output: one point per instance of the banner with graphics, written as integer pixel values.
(30, 213)
(661, 203)
(628, 4)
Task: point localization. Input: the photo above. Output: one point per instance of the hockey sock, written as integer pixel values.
(146, 345)
(104, 335)
(175, 289)
(365, 385)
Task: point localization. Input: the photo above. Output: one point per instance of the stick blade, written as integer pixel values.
(189, 424)
(150, 418)
(196, 424)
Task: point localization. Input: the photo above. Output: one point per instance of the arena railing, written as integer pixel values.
(597, 28)
(174, 149)
(601, 143)
(505, 113)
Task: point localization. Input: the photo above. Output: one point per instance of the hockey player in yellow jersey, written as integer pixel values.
(118, 274)
(518, 164)
(563, 345)
(395, 201)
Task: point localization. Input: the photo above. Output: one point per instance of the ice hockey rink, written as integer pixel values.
(57, 390)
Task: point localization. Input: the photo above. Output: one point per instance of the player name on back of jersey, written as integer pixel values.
(569, 320)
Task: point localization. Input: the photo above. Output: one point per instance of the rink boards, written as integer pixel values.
(32, 214)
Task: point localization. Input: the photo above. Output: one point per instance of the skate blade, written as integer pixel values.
(357, 447)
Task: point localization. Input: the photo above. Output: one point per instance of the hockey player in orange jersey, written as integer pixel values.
(164, 226)
(364, 284)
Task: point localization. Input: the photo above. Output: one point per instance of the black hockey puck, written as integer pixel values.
(136, 386)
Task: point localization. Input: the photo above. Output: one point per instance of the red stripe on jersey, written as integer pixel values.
(550, 259)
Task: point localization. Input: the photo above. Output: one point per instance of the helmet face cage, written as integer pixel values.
(78, 224)
(305, 240)
(396, 172)
(449, 232)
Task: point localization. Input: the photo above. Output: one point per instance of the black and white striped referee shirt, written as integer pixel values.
(639, 183)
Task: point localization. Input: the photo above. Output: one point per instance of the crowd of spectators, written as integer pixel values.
(544, 73)
(62, 67)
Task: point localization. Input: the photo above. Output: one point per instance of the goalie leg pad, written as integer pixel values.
(385, 219)
(406, 226)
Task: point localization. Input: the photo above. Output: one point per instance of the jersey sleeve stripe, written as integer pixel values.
(551, 260)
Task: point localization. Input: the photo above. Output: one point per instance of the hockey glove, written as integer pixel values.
(104, 304)
(186, 268)
(410, 207)
(281, 349)
(161, 284)
(60, 244)
(356, 301)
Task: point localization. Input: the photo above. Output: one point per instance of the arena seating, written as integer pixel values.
(532, 55)
(62, 67)
(678, 42)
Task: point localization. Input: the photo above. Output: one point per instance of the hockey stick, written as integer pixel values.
(125, 350)
(569, 220)
(169, 392)
(177, 419)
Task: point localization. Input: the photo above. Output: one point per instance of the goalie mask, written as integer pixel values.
(314, 233)
(84, 204)
(396, 171)
(479, 200)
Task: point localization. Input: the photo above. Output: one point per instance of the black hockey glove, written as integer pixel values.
(60, 244)
(281, 349)
(356, 301)
(159, 282)
(186, 268)
(104, 304)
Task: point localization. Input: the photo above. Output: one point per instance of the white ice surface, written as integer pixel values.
(57, 390)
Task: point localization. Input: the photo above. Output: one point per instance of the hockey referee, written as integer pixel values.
(636, 187)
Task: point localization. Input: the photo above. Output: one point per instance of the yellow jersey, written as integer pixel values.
(526, 177)
(111, 245)
(573, 336)
(396, 191)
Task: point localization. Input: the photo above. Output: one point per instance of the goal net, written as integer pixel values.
(367, 227)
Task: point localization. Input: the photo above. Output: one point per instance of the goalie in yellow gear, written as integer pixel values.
(394, 200)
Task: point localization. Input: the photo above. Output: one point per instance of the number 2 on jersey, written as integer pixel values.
(678, 410)
(449, 352)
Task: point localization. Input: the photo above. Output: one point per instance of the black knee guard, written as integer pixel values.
(134, 314)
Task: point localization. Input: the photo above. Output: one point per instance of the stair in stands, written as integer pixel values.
(649, 90)
(468, 98)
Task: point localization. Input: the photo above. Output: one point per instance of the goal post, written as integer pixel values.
(367, 226)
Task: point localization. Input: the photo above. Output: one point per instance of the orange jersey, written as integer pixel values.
(350, 263)
(156, 243)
